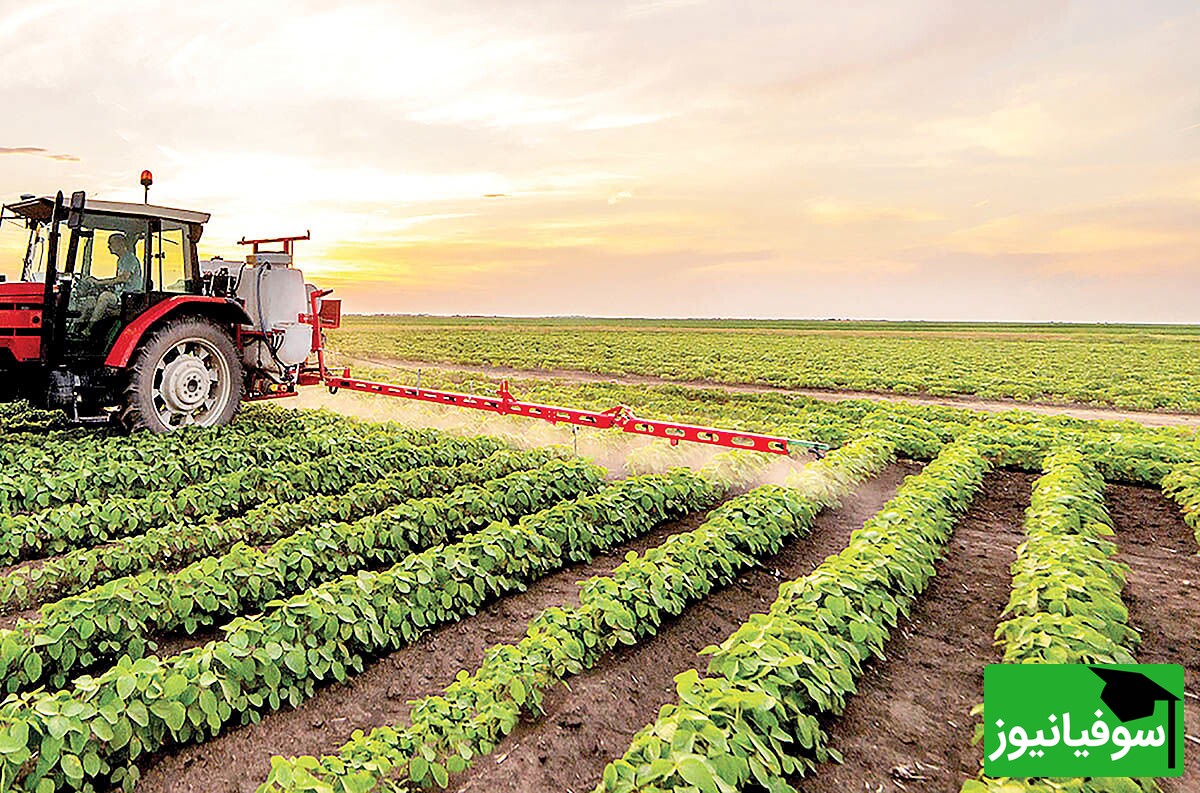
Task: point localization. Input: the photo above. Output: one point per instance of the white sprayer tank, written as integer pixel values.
(275, 296)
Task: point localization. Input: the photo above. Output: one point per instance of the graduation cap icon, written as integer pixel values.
(1133, 695)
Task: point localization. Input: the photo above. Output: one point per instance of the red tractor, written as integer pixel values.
(115, 318)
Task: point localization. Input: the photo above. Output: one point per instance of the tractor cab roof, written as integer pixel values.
(41, 208)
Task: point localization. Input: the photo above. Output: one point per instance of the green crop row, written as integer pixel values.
(1144, 373)
(91, 449)
(1137, 456)
(1183, 485)
(13, 408)
(121, 617)
(21, 417)
(1066, 602)
(91, 736)
(335, 463)
(183, 542)
(755, 717)
(448, 731)
(209, 456)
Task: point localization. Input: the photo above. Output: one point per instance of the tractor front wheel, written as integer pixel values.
(187, 373)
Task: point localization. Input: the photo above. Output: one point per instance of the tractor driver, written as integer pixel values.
(128, 278)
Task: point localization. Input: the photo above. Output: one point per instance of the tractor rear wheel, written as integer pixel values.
(187, 373)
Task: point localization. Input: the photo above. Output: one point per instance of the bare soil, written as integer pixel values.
(1163, 596)
(9, 621)
(240, 759)
(589, 721)
(907, 729)
(909, 726)
(1089, 412)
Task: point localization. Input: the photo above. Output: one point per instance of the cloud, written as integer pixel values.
(38, 152)
(621, 121)
(649, 7)
(839, 212)
(692, 157)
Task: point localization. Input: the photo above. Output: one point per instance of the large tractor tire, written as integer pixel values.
(187, 373)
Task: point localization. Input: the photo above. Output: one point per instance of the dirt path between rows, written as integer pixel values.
(589, 721)
(909, 726)
(240, 759)
(1163, 596)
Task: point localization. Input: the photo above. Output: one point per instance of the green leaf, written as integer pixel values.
(137, 713)
(176, 684)
(295, 660)
(12, 740)
(173, 713)
(697, 771)
(517, 690)
(72, 766)
(125, 685)
(32, 667)
(102, 729)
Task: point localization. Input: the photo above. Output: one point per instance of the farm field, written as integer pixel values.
(402, 397)
(325, 603)
(1137, 367)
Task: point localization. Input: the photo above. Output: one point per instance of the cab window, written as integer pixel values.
(114, 250)
(170, 257)
(99, 259)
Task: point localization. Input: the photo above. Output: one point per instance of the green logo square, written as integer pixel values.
(1065, 720)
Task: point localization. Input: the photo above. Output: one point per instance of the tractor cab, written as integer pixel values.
(101, 283)
(114, 262)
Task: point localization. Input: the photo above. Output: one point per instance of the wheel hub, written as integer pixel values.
(191, 383)
(185, 383)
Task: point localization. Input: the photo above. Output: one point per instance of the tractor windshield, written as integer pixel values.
(115, 249)
(110, 264)
(22, 250)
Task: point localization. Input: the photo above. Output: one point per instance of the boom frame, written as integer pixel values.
(504, 403)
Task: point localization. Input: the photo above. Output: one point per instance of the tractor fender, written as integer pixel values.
(219, 308)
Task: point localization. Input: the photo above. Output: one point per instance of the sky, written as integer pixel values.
(1027, 161)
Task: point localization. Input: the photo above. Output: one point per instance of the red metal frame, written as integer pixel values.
(272, 395)
(287, 242)
(620, 417)
(131, 334)
(21, 319)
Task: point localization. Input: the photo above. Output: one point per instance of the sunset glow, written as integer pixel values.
(940, 160)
